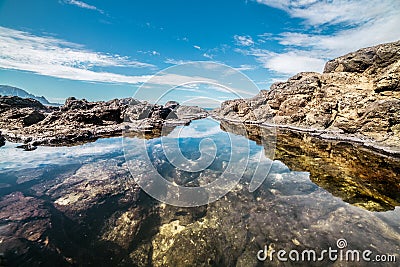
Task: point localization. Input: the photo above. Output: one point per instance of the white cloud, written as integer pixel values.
(185, 39)
(351, 12)
(151, 52)
(189, 87)
(244, 67)
(291, 62)
(176, 61)
(197, 47)
(380, 30)
(83, 5)
(57, 58)
(178, 80)
(13, 158)
(209, 56)
(210, 102)
(243, 40)
(361, 24)
(192, 132)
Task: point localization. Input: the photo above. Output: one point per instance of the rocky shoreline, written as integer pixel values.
(323, 135)
(28, 121)
(355, 99)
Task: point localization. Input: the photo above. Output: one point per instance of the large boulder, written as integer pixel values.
(76, 104)
(171, 104)
(33, 117)
(370, 58)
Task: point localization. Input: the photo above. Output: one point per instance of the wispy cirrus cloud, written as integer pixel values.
(177, 61)
(333, 28)
(245, 67)
(243, 40)
(82, 4)
(350, 12)
(54, 57)
(288, 63)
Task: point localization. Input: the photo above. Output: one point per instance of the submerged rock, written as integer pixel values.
(92, 184)
(27, 147)
(357, 97)
(343, 169)
(288, 212)
(24, 221)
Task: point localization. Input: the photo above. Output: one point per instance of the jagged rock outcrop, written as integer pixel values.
(2, 140)
(356, 97)
(78, 120)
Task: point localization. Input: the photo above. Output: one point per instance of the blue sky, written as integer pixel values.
(101, 50)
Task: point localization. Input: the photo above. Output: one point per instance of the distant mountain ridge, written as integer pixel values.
(7, 90)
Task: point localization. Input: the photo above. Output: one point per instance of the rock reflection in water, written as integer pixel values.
(92, 213)
(358, 176)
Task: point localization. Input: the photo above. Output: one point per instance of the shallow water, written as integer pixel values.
(81, 205)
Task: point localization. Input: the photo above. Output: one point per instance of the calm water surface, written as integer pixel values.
(80, 205)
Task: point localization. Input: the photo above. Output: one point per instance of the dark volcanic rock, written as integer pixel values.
(2, 140)
(76, 104)
(171, 104)
(78, 120)
(23, 224)
(33, 118)
(357, 97)
(27, 147)
(8, 102)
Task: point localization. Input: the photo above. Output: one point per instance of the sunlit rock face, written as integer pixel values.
(357, 96)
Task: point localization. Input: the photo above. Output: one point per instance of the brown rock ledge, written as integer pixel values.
(356, 98)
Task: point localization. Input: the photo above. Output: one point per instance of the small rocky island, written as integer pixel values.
(30, 122)
(356, 98)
